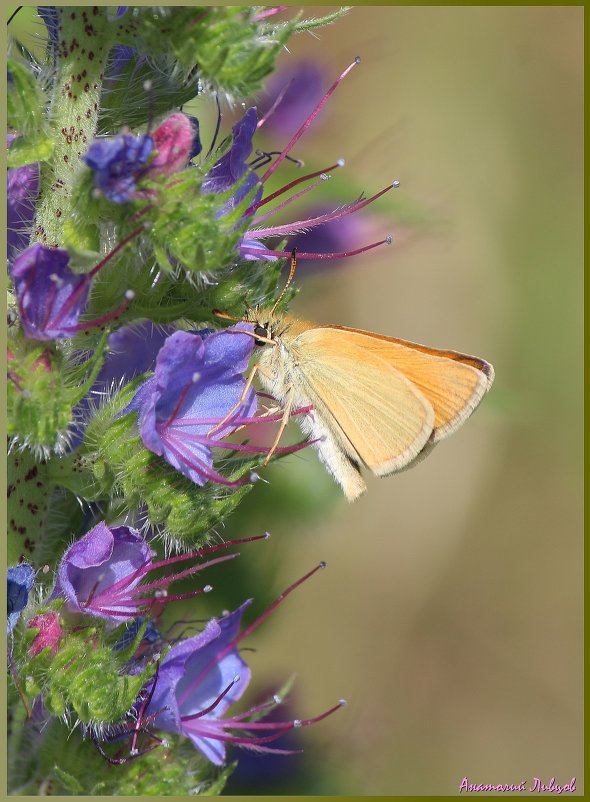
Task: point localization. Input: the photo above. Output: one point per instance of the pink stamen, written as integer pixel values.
(285, 203)
(214, 704)
(265, 449)
(143, 708)
(177, 406)
(50, 302)
(128, 580)
(255, 624)
(99, 321)
(287, 725)
(150, 601)
(244, 634)
(115, 613)
(342, 255)
(337, 214)
(254, 710)
(78, 291)
(167, 580)
(204, 440)
(270, 12)
(198, 465)
(219, 735)
(116, 250)
(209, 549)
(243, 421)
(275, 105)
(307, 123)
(291, 184)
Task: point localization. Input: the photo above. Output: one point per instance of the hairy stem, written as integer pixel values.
(82, 47)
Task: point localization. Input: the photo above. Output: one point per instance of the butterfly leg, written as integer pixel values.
(284, 421)
(256, 369)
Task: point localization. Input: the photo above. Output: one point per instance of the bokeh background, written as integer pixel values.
(450, 613)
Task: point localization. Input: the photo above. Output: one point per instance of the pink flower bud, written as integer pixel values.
(174, 141)
(49, 635)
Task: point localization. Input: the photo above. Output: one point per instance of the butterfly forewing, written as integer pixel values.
(385, 417)
(453, 383)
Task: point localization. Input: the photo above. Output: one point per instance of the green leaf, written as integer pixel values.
(69, 782)
(230, 49)
(26, 151)
(25, 101)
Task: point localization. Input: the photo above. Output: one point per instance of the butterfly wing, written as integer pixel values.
(453, 383)
(377, 414)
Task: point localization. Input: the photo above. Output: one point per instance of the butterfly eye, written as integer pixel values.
(261, 331)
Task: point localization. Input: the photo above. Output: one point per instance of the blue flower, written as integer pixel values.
(197, 382)
(22, 188)
(50, 296)
(118, 164)
(194, 401)
(232, 165)
(102, 574)
(198, 680)
(291, 95)
(202, 677)
(20, 582)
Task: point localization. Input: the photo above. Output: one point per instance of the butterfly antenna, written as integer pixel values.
(224, 315)
(289, 280)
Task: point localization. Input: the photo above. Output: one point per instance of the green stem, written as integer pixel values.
(83, 43)
(28, 497)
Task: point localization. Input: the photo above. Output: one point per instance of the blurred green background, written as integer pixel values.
(450, 613)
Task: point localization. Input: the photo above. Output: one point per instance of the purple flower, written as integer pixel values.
(103, 573)
(99, 574)
(290, 96)
(202, 677)
(250, 246)
(194, 400)
(132, 351)
(20, 580)
(50, 296)
(198, 681)
(118, 164)
(197, 382)
(232, 166)
(197, 146)
(22, 188)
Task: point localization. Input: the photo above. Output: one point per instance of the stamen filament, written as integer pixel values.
(290, 185)
(307, 123)
(285, 203)
(337, 214)
(99, 321)
(167, 580)
(342, 255)
(143, 708)
(194, 462)
(244, 634)
(213, 705)
(80, 288)
(278, 99)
